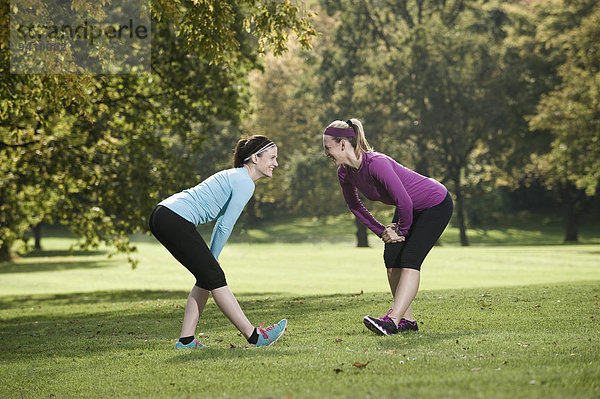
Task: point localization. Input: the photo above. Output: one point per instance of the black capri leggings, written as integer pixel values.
(184, 242)
(426, 228)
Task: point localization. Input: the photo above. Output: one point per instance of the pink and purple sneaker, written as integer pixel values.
(381, 325)
(386, 326)
(407, 325)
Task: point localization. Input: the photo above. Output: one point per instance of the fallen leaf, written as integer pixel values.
(391, 352)
(337, 371)
(476, 369)
(232, 346)
(361, 365)
(338, 340)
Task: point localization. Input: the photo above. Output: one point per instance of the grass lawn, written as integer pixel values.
(495, 321)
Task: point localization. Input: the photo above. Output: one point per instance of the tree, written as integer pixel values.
(426, 76)
(571, 111)
(287, 107)
(96, 152)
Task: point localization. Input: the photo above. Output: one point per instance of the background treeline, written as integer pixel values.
(499, 100)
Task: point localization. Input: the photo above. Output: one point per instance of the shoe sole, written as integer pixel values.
(190, 348)
(279, 336)
(373, 326)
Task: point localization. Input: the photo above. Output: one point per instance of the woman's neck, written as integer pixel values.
(253, 173)
(355, 162)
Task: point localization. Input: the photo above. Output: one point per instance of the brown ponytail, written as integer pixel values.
(246, 147)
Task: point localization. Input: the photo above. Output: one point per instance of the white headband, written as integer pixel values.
(265, 148)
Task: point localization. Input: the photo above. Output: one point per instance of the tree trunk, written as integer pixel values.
(572, 200)
(460, 213)
(5, 252)
(571, 233)
(362, 240)
(37, 233)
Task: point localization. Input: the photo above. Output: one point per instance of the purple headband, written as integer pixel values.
(339, 131)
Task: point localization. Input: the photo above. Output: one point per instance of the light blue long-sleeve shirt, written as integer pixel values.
(222, 196)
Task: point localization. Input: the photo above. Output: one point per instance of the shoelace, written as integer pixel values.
(386, 318)
(263, 331)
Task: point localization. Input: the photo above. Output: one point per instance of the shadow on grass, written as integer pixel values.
(84, 324)
(136, 323)
(90, 298)
(52, 266)
(62, 253)
(241, 352)
(131, 323)
(121, 296)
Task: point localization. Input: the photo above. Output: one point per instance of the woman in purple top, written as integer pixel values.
(423, 210)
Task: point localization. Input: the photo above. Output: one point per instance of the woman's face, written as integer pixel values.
(267, 161)
(333, 149)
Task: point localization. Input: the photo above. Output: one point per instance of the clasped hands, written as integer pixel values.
(390, 235)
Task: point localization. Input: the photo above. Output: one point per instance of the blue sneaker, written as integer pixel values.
(192, 345)
(266, 336)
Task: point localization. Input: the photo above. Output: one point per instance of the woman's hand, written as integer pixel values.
(390, 235)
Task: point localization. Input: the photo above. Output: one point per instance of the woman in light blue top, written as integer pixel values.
(221, 197)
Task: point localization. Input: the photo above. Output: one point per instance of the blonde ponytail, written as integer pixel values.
(359, 142)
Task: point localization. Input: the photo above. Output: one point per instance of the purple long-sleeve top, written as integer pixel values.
(380, 178)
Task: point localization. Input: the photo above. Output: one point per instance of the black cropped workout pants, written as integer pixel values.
(183, 241)
(427, 227)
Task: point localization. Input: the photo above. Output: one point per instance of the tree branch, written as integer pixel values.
(400, 6)
(4, 145)
(376, 28)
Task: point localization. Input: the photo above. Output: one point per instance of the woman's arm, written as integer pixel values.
(356, 206)
(240, 195)
(382, 171)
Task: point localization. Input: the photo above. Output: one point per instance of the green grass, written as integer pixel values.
(517, 229)
(496, 321)
(293, 269)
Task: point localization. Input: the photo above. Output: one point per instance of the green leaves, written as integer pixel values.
(571, 112)
(97, 152)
